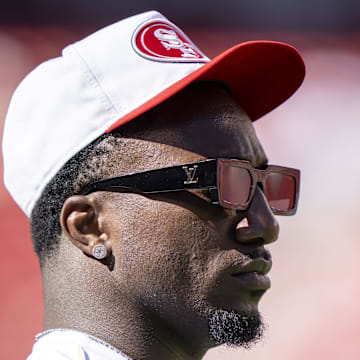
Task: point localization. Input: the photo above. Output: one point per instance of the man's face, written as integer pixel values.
(177, 256)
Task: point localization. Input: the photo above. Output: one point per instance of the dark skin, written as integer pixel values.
(169, 254)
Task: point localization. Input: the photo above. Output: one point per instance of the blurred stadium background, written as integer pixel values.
(312, 308)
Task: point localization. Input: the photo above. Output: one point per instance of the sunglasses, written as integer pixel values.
(231, 183)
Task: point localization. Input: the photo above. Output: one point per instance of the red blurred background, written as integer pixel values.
(312, 307)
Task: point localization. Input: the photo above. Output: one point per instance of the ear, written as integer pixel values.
(79, 220)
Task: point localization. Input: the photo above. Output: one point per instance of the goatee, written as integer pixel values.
(234, 329)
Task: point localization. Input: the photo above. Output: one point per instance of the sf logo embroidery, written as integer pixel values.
(190, 173)
(170, 40)
(162, 41)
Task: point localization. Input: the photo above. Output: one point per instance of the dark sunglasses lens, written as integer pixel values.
(280, 191)
(235, 185)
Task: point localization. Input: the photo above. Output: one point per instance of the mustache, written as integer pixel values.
(258, 253)
(232, 259)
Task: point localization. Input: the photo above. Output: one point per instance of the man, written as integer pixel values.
(149, 194)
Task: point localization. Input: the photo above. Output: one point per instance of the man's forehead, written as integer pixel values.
(205, 120)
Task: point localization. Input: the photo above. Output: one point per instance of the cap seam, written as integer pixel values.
(98, 83)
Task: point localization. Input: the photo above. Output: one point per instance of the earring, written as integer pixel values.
(99, 252)
(244, 223)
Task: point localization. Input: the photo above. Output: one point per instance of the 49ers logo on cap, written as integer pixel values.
(162, 41)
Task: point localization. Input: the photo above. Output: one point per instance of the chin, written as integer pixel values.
(245, 308)
(240, 328)
(235, 322)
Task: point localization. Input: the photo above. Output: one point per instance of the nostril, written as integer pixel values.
(256, 231)
(243, 224)
(249, 236)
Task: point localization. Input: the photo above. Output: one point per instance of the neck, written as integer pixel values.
(111, 316)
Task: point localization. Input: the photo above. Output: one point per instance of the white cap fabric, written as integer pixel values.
(105, 80)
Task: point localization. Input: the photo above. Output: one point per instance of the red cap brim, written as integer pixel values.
(260, 74)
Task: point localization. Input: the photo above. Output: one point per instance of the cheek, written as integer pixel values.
(161, 247)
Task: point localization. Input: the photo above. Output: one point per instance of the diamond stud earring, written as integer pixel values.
(99, 252)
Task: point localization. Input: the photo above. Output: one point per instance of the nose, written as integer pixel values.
(261, 226)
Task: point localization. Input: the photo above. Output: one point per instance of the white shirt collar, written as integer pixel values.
(75, 345)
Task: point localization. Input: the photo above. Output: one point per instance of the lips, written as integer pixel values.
(253, 280)
(252, 275)
(261, 266)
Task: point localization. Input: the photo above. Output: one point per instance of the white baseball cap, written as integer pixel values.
(117, 74)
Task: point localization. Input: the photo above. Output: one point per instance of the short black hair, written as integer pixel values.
(94, 162)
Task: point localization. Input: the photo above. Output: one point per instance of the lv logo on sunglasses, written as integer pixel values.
(190, 173)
